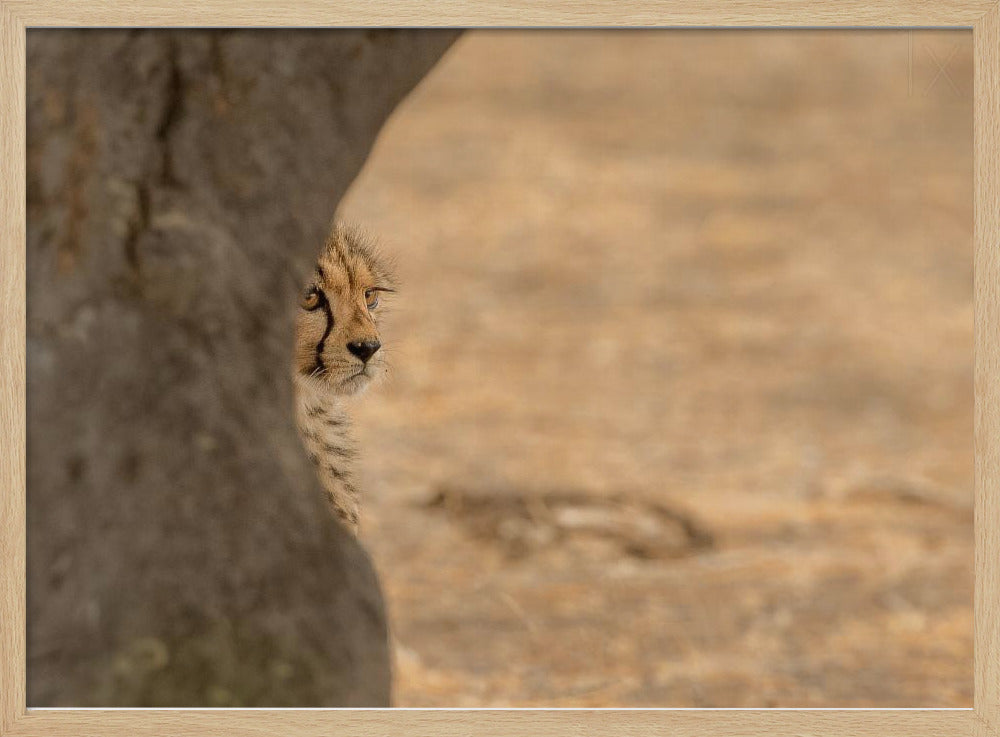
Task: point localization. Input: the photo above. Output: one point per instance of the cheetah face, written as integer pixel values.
(337, 341)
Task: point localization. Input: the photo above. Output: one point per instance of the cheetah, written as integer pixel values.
(338, 353)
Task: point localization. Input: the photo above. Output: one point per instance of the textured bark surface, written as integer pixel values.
(179, 185)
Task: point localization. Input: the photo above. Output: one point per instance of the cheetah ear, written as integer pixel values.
(384, 268)
(388, 277)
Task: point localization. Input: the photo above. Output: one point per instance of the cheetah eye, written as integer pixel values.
(312, 299)
(371, 298)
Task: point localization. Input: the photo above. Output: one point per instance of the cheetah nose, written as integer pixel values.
(364, 349)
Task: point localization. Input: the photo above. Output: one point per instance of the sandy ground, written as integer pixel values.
(681, 412)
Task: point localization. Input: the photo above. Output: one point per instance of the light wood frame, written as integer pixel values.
(983, 16)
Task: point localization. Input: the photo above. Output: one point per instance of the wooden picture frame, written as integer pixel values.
(982, 16)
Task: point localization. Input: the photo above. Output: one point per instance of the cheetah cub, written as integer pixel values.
(337, 355)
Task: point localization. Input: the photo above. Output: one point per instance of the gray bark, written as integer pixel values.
(179, 186)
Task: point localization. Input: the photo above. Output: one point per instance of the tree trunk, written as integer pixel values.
(180, 184)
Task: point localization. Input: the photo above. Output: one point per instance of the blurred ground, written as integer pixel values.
(682, 405)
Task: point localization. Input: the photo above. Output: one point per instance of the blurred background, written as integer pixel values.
(681, 408)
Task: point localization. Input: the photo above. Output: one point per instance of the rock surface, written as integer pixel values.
(179, 185)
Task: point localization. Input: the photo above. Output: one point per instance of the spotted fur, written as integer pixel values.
(340, 306)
